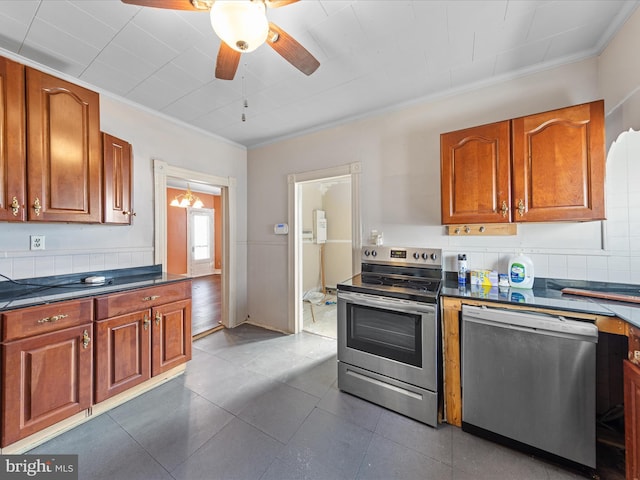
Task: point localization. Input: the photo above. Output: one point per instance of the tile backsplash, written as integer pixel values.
(604, 268)
(17, 265)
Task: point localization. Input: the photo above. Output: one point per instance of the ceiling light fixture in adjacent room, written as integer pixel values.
(187, 199)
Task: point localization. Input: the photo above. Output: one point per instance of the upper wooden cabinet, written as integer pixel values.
(544, 167)
(116, 180)
(12, 141)
(64, 150)
(559, 164)
(476, 174)
(55, 164)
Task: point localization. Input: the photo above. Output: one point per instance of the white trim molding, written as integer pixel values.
(161, 171)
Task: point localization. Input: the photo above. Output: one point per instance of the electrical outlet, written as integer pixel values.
(37, 242)
(636, 355)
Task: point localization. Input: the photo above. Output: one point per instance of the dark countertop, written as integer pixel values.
(42, 290)
(547, 294)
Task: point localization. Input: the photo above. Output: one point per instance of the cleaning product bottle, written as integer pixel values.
(462, 268)
(520, 271)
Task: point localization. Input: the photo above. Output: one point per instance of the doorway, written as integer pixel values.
(318, 261)
(325, 207)
(227, 256)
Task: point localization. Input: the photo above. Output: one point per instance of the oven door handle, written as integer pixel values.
(388, 303)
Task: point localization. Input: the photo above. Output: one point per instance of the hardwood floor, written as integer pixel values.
(206, 308)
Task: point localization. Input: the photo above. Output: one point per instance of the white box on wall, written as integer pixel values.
(320, 226)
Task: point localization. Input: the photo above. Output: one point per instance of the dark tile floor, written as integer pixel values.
(255, 404)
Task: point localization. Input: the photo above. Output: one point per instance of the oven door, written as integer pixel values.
(392, 337)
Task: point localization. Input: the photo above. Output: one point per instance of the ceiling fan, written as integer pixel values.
(242, 26)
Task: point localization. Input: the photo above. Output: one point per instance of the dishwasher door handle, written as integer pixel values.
(531, 321)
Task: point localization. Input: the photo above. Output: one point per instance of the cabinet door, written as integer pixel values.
(46, 379)
(475, 174)
(116, 175)
(171, 336)
(123, 355)
(12, 141)
(559, 164)
(632, 419)
(64, 161)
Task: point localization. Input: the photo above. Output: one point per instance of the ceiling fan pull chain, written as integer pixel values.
(245, 103)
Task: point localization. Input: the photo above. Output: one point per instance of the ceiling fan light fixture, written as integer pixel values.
(241, 24)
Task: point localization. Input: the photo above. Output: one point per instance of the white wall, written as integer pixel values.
(336, 202)
(75, 248)
(400, 181)
(311, 200)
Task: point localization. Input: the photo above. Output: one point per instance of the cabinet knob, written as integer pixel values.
(521, 207)
(37, 207)
(85, 339)
(504, 209)
(15, 206)
(158, 318)
(146, 322)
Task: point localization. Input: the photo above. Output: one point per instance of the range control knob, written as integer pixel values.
(434, 256)
(374, 253)
(416, 255)
(366, 253)
(425, 256)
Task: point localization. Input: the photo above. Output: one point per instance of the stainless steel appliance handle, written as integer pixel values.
(531, 321)
(399, 305)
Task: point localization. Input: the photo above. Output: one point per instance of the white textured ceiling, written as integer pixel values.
(374, 54)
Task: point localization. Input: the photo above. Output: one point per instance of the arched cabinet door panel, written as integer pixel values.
(475, 174)
(559, 164)
(64, 151)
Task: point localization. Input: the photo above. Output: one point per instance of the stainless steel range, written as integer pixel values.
(388, 331)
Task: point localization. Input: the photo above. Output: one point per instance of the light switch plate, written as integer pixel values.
(37, 242)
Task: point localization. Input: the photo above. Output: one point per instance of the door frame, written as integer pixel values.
(294, 242)
(161, 171)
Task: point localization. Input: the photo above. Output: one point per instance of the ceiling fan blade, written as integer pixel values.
(227, 62)
(197, 5)
(291, 50)
(278, 3)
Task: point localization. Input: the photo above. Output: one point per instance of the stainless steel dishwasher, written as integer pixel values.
(528, 379)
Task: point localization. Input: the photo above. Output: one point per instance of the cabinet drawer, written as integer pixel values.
(27, 322)
(133, 300)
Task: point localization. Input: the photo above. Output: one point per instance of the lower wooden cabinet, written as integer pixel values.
(60, 359)
(134, 347)
(46, 378)
(632, 419)
(140, 334)
(171, 336)
(122, 353)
